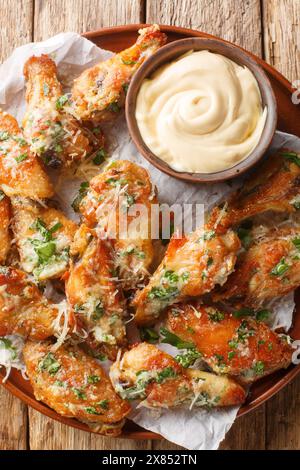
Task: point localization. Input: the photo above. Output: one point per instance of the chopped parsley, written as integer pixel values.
(92, 410)
(163, 293)
(292, 157)
(100, 157)
(83, 189)
(243, 312)
(79, 393)
(174, 340)
(7, 344)
(61, 101)
(166, 373)
(103, 404)
(4, 135)
(208, 235)
(21, 158)
(149, 335)
(296, 242)
(280, 269)
(49, 364)
(93, 379)
(216, 316)
(244, 235)
(188, 358)
(258, 368)
(262, 315)
(128, 61)
(114, 107)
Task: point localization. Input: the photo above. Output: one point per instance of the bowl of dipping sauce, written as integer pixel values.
(201, 110)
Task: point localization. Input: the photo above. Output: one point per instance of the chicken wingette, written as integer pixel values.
(43, 237)
(149, 374)
(274, 187)
(75, 386)
(192, 266)
(110, 198)
(5, 235)
(229, 343)
(21, 174)
(23, 308)
(98, 94)
(269, 268)
(94, 294)
(52, 133)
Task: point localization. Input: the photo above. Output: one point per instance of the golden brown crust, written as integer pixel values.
(5, 235)
(74, 385)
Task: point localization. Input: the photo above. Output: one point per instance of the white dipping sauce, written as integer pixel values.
(201, 113)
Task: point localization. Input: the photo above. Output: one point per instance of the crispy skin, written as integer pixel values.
(52, 133)
(270, 268)
(241, 347)
(147, 373)
(21, 174)
(192, 266)
(123, 184)
(75, 386)
(99, 92)
(23, 309)
(5, 236)
(94, 295)
(33, 245)
(274, 187)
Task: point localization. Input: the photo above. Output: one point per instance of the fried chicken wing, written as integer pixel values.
(5, 236)
(99, 93)
(242, 347)
(94, 294)
(21, 174)
(23, 309)
(52, 133)
(269, 268)
(107, 206)
(75, 386)
(43, 237)
(147, 373)
(275, 186)
(192, 266)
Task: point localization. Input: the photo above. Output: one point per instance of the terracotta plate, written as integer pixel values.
(116, 39)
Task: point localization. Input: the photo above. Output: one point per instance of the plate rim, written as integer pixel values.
(290, 373)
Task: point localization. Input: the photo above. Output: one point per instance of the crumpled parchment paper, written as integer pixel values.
(196, 429)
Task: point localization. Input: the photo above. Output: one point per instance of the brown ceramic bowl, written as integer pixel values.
(169, 53)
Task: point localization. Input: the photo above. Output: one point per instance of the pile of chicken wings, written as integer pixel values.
(207, 295)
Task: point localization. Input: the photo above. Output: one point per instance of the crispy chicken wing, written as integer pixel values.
(147, 373)
(275, 186)
(23, 309)
(269, 268)
(94, 294)
(52, 133)
(20, 172)
(43, 237)
(99, 93)
(75, 386)
(110, 198)
(229, 344)
(5, 236)
(192, 266)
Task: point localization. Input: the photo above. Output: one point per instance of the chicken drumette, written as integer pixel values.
(98, 94)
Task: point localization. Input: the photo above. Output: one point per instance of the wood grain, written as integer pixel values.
(234, 20)
(281, 25)
(55, 16)
(16, 25)
(13, 422)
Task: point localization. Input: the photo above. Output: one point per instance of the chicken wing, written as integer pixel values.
(276, 187)
(98, 94)
(52, 133)
(20, 172)
(192, 266)
(94, 295)
(5, 236)
(43, 237)
(23, 309)
(228, 343)
(149, 374)
(108, 206)
(269, 268)
(75, 386)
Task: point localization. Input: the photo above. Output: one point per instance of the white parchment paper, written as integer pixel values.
(198, 428)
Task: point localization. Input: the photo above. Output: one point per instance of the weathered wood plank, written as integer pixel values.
(13, 422)
(236, 21)
(13, 432)
(281, 26)
(16, 25)
(83, 15)
(283, 418)
(242, 25)
(51, 18)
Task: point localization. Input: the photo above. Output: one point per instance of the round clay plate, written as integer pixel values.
(116, 39)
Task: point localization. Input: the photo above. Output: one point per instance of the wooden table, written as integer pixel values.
(269, 28)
